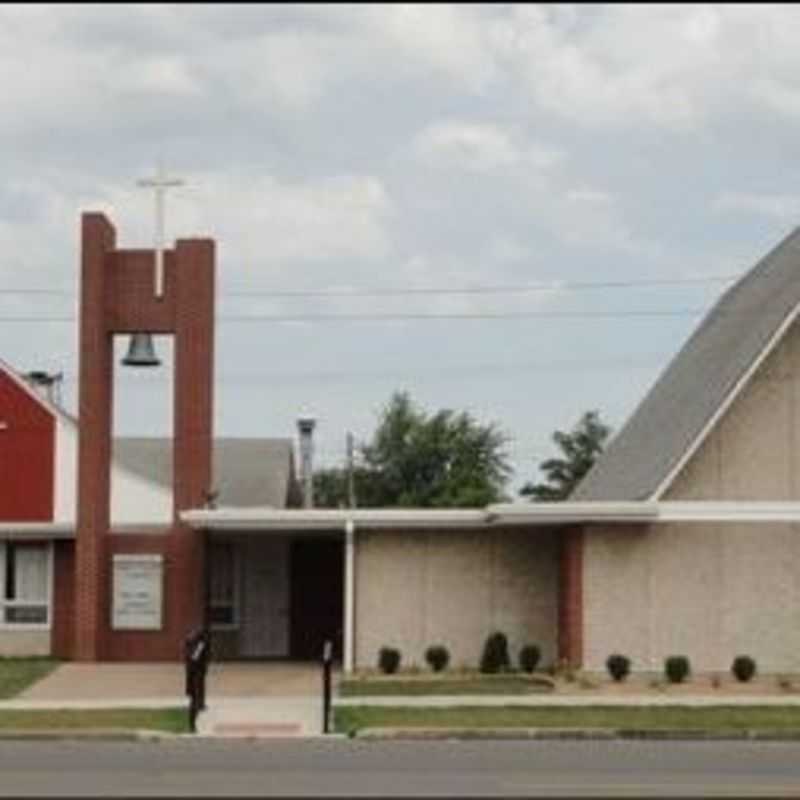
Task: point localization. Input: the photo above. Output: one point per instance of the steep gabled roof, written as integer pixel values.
(701, 381)
(246, 472)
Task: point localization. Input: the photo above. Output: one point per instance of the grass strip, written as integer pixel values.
(419, 687)
(17, 674)
(171, 720)
(349, 719)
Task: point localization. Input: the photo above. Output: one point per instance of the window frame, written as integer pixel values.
(48, 601)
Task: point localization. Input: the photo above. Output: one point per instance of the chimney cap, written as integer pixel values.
(41, 377)
(306, 423)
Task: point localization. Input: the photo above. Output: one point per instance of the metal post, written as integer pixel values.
(351, 487)
(327, 660)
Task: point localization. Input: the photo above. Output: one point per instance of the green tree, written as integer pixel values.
(580, 448)
(416, 459)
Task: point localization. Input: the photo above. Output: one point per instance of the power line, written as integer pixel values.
(527, 287)
(643, 361)
(401, 291)
(287, 318)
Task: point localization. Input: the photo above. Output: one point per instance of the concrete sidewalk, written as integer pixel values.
(118, 682)
(262, 717)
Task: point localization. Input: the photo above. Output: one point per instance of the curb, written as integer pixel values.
(580, 734)
(88, 734)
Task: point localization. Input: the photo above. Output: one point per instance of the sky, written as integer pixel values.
(414, 152)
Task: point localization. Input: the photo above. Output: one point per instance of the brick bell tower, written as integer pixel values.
(126, 292)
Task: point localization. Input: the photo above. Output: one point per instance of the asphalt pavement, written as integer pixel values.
(341, 767)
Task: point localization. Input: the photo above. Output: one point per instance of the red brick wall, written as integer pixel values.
(570, 598)
(27, 447)
(63, 608)
(117, 296)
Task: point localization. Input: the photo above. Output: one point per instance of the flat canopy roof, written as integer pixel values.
(527, 514)
(501, 515)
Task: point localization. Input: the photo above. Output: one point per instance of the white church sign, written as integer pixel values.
(137, 592)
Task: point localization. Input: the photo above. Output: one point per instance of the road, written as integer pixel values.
(196, 767)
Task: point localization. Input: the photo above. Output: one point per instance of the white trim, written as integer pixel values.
(571, 513)
(744, 379)
(20, 531)
(735, 511)
(334, 519)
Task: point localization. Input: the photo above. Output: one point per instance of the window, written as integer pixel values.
(222, 600)
(25, 584)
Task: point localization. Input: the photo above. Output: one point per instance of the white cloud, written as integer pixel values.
(777, 206)
(481, 147)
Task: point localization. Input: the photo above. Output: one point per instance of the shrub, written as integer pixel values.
(677, 668)
(529, 657)
(438, 657)
(618, 666)
(388, 660)
(495, 654)
(743, 668)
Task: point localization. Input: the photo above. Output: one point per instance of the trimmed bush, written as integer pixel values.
(618, 666)
(677, 669)
(388, 660)
(495, 654)
(529, 657)
(743, 668)
(438, 657)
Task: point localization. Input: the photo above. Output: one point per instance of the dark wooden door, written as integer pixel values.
(317, 597)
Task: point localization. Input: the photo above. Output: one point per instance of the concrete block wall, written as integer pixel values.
(710, 592)
(418, 588)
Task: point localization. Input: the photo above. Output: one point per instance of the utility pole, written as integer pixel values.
(351, 486)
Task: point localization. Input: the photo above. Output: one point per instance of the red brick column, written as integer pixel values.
(94, 442)
(117, 296)
(570, 597)
(194, 379)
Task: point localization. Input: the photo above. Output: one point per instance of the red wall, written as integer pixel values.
(27, 451)
(63, 609)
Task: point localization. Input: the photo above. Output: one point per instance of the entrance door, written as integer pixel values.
(317, 594)
(265, 599)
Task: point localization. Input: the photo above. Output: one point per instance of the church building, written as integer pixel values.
(683, 539)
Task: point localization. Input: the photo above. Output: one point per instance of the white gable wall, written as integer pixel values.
(134, 500)
(711, 591)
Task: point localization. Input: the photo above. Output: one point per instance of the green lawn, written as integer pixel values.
(17, 674)
(349, 719)
(171, 720)
(506, 684)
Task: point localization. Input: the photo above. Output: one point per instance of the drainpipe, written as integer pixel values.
(349, 595)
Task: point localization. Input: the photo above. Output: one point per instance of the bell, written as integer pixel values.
(141, 352)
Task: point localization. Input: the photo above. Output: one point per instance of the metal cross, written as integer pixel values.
(160, 183)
